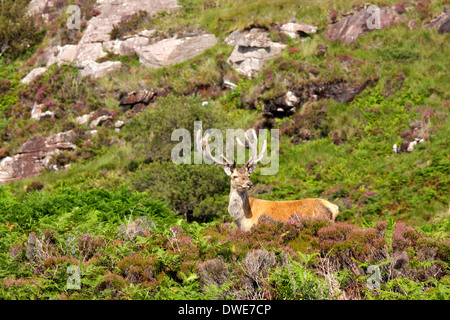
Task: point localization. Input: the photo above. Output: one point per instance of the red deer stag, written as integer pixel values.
(246, 210)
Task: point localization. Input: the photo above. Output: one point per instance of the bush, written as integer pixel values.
(19, 31)
(295, 281)
(213, 272)
(151, 130)
(203, 193)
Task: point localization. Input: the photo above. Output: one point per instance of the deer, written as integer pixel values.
(246, 211)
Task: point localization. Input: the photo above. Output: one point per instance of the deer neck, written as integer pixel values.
(239, 208)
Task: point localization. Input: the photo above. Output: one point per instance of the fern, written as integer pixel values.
(294, 281)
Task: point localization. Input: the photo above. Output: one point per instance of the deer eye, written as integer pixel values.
(234, 177)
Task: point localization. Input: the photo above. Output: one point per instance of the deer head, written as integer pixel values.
(240, 177)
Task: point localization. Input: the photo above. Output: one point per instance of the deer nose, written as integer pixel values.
(249, 184)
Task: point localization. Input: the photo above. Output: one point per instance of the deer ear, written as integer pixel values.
(228, 170)
(251, 169)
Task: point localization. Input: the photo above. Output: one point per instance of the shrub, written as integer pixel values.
(35, 186)
(5, 85)
(19, 31)
(403, 236)
(400, 7)
(151, 131)
(400, 54)
(294, 281)
(87, 245)
(257, 263)
(214, 272)
(113, 283)
(137, 269)
(423, 8)
(202, 195)
(307, 124)
(139, 227)
(127, 25)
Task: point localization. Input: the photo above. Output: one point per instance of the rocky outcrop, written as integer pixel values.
(87, 53)
(112, 12)
(99, 70)
(136, 100)
(349, 28)
(47, 10)
(444, 28)
(96, 40)
(407, 146)
(441, 22)
(99, 121)
(129, 45)
(171, 51)
(419, 132)
(38, 114)
(35, 156)
(118, 125)
(252, 51)
(288, 103)
(62, 55)
(295, 29)
(84, 119)
(282, 106)
(33, 74)
(337, 90)
(253, 47)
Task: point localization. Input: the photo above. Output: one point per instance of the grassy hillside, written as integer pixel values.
(140, 227)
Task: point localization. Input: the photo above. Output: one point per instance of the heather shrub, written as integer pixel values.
(214, 272)
(252, 275)
(309, 225)
(35, 186)
(407, 254)
(307, 124)
(111, 283)
(88, 245)
(350, 245)
(403, 236)
(257, 263)
(137, 269)
(267, 233)
(19, 31)
(18, 289)
(16, 252)
(336, 232)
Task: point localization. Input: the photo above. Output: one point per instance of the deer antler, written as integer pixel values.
(207, 154)
(254, 148)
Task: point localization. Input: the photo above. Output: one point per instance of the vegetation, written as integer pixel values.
(137, 226)
(19, 33)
